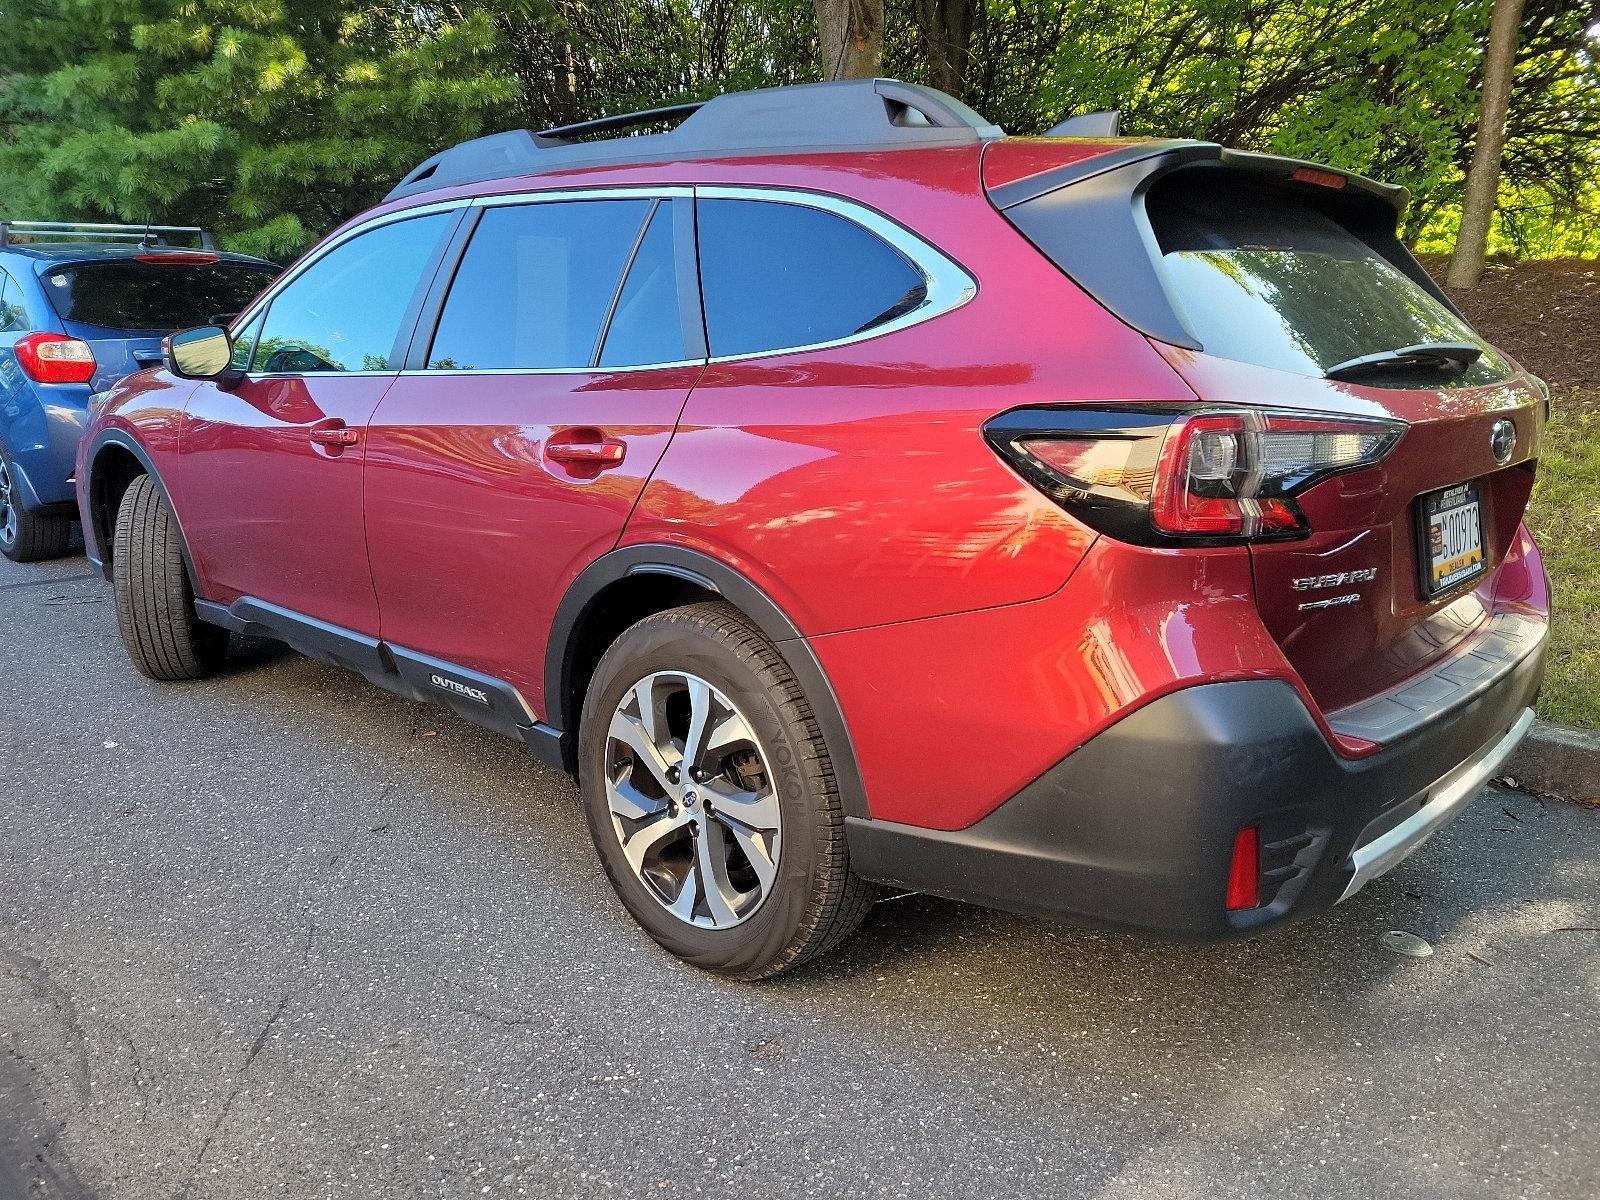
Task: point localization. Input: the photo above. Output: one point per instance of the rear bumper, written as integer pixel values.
(43, 445)
(1135, 829)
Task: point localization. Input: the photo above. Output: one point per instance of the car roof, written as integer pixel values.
(54, 253)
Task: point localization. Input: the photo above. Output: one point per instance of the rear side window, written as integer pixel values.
(780, 276)
(1264, 278)
(344, 311)
(13, 315)
(153, 297)
(535, 285)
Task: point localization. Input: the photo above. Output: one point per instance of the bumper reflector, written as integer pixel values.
(1244, 876)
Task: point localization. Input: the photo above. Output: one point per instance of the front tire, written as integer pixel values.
(25, 536)
(712, 799)
(155, 604)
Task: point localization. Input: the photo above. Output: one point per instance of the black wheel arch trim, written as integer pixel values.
(682, 563)
(94, 549)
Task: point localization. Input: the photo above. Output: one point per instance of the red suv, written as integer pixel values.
(1122, 531)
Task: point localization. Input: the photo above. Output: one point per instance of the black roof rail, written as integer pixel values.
(50, 231)
(852, 114)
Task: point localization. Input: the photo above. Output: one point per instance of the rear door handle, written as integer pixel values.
(593, 451)
(335, 436)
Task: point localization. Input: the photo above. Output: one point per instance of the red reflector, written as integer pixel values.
(177, 256)
(55, 358)
(1244, 876)
(1328, 179)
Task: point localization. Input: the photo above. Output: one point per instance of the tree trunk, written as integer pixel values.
(850, 33)
(1483, 176)
(946, 27)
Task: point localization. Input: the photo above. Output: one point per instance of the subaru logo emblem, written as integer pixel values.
(1502, 440)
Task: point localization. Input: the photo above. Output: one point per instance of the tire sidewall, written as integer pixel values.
(676, 644)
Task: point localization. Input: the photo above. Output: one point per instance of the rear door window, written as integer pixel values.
(345, 311)
(153, 297)
(535, 286)
(1264, 278)
(647, 323)
(781, 276)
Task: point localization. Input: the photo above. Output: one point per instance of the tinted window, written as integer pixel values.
(13, 316)
(153, 297)
(1265, 278)
(535, 284)
(647, 326)
(343, 313)
(779, 275)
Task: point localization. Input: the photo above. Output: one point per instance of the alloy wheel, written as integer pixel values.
(692, 800)
(8, 508)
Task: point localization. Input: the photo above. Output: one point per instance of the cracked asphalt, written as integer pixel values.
(280, 933)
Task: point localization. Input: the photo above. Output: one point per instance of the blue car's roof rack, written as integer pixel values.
(853, 114)
(24, 232)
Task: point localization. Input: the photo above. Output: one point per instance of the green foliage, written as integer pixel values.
(272, 120)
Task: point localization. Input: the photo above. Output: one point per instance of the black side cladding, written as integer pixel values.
(1091, 220)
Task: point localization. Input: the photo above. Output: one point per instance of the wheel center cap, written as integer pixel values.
(690, 799)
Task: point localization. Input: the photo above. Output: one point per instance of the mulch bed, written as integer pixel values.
(1545, 314)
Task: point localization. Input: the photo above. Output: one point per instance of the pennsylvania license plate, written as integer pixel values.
(1452, 538)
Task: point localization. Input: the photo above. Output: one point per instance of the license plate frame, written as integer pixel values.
(1446, 557)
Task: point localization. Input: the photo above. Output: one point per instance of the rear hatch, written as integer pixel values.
(124, 306)
(1281, 286)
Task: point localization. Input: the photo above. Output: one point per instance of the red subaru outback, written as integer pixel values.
(1122, 531)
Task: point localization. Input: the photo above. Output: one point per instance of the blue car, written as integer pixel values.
(80, 307)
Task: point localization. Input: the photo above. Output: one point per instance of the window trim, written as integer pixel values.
(950, 286)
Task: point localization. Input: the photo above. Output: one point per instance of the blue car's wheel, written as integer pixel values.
(26, 536)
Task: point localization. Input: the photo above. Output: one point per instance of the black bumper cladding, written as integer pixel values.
(1135, 830)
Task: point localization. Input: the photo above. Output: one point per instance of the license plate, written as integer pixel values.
(1452, 538)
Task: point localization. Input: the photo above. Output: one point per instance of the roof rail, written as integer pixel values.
(16, 232)
(851, 114)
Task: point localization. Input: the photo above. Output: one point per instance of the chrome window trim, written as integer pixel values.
(949, 285)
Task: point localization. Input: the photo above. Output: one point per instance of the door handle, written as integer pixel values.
(595, 451)
(335, 436)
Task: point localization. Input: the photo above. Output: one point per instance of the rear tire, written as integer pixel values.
(155, 604)
(25, 536)
(754, 810)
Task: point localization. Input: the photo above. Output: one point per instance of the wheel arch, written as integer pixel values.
(628, 584)
(114, 460)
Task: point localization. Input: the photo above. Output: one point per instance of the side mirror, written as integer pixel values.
(202, 353)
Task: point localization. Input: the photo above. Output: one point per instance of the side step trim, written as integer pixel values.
(1371, 859)
(475, 697)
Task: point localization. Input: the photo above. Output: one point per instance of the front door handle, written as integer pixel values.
(335, 436)
(586, 448)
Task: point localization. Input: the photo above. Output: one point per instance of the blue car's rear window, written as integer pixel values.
(152, 296)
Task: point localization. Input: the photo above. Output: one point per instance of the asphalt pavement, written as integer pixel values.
(282, 934)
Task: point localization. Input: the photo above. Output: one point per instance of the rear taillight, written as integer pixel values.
(1169, 476)
(55, 358)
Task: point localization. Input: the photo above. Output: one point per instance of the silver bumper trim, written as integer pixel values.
(1445, 799)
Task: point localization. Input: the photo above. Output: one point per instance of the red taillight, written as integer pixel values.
(1232, 474)
(55, 358)
(175, 257)
(1164, 476)
(1244, 874)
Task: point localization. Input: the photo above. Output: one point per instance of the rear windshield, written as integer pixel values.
(153, 296)
(1265, 278)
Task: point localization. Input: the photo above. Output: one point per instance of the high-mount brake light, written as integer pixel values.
(178, 258)
(1162, 476)
(55, 358)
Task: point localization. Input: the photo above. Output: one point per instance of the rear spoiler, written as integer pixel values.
(1088, 218)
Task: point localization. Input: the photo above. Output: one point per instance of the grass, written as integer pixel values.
(1565, 518)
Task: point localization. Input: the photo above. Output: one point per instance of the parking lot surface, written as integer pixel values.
(280, 933)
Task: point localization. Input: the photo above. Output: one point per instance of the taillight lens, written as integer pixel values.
(1244, 872)
(1167, 476)
(55, 358)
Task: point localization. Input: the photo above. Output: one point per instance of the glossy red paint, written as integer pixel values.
(271, 507)
(475, 532)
